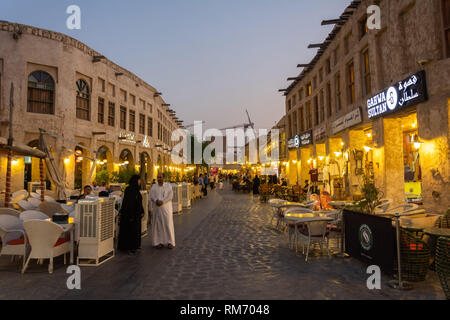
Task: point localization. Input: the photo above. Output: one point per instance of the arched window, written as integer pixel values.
(41, 89)
(83, 101)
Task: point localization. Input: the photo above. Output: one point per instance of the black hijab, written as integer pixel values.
(133, 184)
(132, 196)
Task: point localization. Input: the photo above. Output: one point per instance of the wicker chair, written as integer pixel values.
(444, 221)
(415, 257)
(443, 264)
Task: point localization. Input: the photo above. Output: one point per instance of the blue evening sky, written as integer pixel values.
(212, 59)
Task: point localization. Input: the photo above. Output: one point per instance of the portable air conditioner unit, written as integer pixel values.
(144, 226)
(176, 200)
(186, 195)
(34, 186)
(95, 218)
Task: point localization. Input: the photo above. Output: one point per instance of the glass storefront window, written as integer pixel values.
(412, 168)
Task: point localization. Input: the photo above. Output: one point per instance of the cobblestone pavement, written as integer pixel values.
(225, 250)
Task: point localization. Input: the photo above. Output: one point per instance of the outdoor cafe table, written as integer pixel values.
(287, 205)
(299, 218)
(437, 232)
(340, 204)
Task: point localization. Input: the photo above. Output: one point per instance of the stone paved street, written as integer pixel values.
(225, 250)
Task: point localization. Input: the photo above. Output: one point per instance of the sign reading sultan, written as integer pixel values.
(405, 93)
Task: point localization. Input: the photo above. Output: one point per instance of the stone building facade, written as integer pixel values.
(63, 86)
(403, 145)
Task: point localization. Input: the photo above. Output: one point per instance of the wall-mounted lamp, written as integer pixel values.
(415, 141)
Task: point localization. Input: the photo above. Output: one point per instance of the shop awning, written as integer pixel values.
(19, 149)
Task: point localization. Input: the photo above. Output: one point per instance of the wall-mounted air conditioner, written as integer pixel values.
(95, 219)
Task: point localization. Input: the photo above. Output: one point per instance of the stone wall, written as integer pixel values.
(26, 49)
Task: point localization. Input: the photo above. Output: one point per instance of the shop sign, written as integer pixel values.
(294, 143)
(306, 138)
(127, 137)
(291, 143)
(146, 142)
(403, 94)
(347, 121)
(320, 133)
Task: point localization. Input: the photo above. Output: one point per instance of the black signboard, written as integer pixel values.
(370, 239)
(306, 138)
(401, 95)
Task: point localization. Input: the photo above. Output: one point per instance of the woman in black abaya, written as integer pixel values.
(256, 184)
(131, 214)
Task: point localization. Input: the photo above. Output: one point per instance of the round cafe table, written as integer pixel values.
(340, 204)
(437, 232)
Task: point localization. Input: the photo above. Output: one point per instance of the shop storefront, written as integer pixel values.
(395, 107)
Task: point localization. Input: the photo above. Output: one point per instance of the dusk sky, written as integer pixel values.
(212, 59)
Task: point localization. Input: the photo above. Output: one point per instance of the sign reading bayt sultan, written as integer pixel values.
(405, 93)
(347, 121)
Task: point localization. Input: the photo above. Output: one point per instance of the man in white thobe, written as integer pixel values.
(163, 232)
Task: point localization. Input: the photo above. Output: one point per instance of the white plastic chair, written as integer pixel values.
(25, 205)
(274, 203)
(19, 195)
(291, 225)
(315, 232)
(34, 202)
(14, 240)
(10, 211)
(35, 195)
(19, 192)
(32, 215)
(44, 237)
(50, 208)
(49, 199)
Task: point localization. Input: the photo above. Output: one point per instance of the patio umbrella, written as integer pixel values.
(52, 169)
(8, 181)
